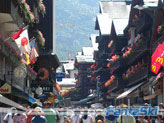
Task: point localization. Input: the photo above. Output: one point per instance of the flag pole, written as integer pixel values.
(26, 27)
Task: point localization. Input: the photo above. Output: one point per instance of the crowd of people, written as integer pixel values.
(47, 114)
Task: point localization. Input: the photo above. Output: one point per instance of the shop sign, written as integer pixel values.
(59, 76)
(157, 59)
(45, 88)
(5, 89)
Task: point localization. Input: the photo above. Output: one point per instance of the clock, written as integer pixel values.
(20, 72)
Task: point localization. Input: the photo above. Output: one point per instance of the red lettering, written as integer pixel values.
(4, 90)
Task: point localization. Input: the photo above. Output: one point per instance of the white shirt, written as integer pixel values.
(8, 118)
(76, 118)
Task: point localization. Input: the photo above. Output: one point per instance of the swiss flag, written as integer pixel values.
(22, 40)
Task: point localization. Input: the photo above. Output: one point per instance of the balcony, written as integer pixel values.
(139, 75)
(117, 64)
(142, 22)
(137, 53)
(10, 16)
(117, 84)
(159, 41)
(139, 23)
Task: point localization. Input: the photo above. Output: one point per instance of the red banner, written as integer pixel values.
(155, 68)
(157, 59)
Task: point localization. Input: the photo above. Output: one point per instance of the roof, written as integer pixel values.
(148, 4)
(104, 24)
(115, 9)
(151, 3)
(79, 53)
(120, 25)
(69, 66)
(93, 39)
(85, 59)
(87, 51)
(126, 93)
(67, 81)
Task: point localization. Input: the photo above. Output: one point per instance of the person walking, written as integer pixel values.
(30, 113)
(38, 118)
(99, 116)
(160, 116)
(86, 118)
(109, 116)
(50, 113)
(63, 116)
(125, 118)
(20, 118)
(9, 117)
(75, 118)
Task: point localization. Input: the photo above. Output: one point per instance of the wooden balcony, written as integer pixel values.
(159, 41)
(140, 75)
(117, 64)
(137, 53)
(139, 24)
(142, 23)
(117, 84)
(9, 15)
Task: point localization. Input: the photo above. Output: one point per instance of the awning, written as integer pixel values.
(10, 102)
(124, 94)
(86, 99)
(157, 92)
(26, 96)
(150, 97)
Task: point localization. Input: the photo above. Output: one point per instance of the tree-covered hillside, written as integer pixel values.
(75, 21)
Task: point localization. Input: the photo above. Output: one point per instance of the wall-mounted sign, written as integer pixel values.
(59, 76)
(5, 89)
(45, 88)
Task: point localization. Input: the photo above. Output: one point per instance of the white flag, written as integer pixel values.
(23, 42)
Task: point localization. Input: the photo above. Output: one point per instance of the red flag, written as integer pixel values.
(158, 55)
(155, 54)
(17, 35)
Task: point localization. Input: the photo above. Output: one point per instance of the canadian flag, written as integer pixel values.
(22, 40)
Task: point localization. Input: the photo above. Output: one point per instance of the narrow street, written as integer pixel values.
(118, 78)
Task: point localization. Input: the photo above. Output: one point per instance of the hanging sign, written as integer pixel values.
(59, 76)
(5, 89)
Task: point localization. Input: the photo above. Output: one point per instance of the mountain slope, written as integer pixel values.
(75, 21)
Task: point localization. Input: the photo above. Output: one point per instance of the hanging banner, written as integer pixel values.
(157, 59)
